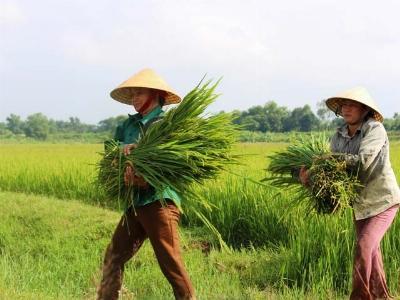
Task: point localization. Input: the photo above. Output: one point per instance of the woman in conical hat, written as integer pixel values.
(147, 92)
(146, 78)
(359, 95)
(364, 144)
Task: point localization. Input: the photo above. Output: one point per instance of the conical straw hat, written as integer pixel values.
(146, 78)
(359, 94)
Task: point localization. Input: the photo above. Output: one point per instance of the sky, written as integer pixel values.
(62, 58)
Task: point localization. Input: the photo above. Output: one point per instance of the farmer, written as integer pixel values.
(365, 146)
(147, 92)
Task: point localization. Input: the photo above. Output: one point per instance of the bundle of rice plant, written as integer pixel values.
(332, 185)
(184, 148)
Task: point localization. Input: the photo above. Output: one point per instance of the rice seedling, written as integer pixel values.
(332, 186)
(60, 170)
(183, 148)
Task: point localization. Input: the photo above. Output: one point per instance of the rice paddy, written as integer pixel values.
(307, 252)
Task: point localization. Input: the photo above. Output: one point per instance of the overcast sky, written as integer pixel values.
(62, 58)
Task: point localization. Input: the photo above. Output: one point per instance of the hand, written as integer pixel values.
(304, 176)
(128, 148)
(324, 156)
(131, 179)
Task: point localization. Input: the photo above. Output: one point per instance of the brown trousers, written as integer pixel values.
(159, 224)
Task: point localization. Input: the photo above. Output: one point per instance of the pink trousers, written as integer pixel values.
(369, 282)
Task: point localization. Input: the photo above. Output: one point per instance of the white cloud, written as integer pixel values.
(83, 46)
(11, 13)
(288, 51)
(277, 36)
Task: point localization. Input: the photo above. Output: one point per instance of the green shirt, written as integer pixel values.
(129, 132)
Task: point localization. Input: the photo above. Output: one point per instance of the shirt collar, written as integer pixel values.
(144, 119)
(135, 117)
(151, 115)
(343, 130)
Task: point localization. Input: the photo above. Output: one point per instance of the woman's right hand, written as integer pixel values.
(127, 148)
(304, 176)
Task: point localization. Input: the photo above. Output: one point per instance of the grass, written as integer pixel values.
(93, 138)
(61, 170)
(52, 249)
(278, 252)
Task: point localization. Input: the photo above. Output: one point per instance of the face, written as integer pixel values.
(353, 112)
(141, 95)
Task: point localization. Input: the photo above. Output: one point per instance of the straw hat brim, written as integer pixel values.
(146, 78)
(124, 95)
(359, 95)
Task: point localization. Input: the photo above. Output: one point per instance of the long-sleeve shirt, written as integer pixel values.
(368, 150)
(129, 132)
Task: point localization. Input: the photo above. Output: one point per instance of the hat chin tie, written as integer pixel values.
(365, 114)
(145, 106)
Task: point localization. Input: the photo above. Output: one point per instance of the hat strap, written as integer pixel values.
(366, 114)
(145, 106)
(337, 110)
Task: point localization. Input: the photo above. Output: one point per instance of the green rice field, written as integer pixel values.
(277, 251)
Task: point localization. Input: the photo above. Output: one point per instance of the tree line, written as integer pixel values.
(39, 126)
(269, 117)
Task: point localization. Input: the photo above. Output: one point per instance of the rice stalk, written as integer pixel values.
(332, 185)
(182, 150)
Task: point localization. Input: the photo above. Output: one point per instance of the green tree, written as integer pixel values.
(323, 112)
(109, 125)
(275, 116)
(268, 117)
(396, 121)
(393, 123)
(3, 129)
(325, 115)
(301, 119)
(255, 117)
(15, 124)
(236, 116)
(249, 123)
(76, 125)
(37, 126)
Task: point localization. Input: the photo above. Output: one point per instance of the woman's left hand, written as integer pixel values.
(132, 179)
(304, 176)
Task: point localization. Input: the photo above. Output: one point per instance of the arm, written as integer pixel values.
(132, 179)
(130, 176)
(371, 145)
(120, 138)
(304, 176)
(119, 133)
